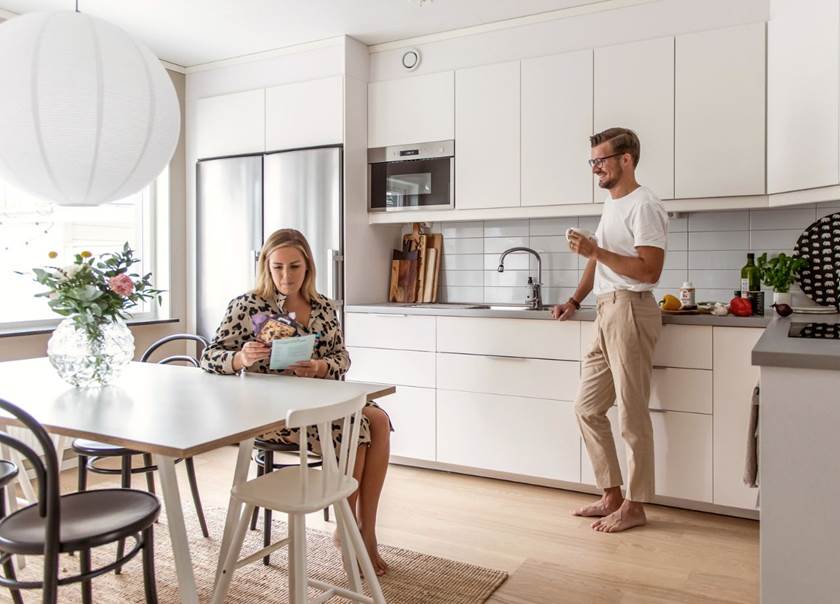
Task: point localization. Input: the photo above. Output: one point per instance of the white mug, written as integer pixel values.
(583, 232)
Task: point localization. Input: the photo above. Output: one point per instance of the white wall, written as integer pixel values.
(651, 20)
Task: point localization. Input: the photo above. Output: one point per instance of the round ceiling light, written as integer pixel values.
(411, 59)
(87, 114)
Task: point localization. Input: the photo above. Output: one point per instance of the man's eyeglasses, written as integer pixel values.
(596, 162)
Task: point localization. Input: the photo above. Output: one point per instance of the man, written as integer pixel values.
(625, 262)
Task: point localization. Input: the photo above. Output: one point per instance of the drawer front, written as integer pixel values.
(400, 332)
(688, 346)
(682, 445)
(397, 367)
(530, 338)
(682, 390)
(526, 436)
(513, 376)
(412, 413)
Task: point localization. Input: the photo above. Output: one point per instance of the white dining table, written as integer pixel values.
(172, 412)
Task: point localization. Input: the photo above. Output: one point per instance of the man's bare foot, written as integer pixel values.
(630, 514)
(605, 506)
(379, 565)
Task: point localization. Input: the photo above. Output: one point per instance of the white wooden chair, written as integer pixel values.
(298, 491)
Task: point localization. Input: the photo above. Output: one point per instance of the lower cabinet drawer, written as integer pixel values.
(518, 435)
(412, 413)
(513, 376)
(682, 444)
(397, 367)
(682, 390)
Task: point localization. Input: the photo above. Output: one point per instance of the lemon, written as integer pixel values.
(670, 302)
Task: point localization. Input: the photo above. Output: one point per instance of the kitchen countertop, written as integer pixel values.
(514, 311)
(776, 349)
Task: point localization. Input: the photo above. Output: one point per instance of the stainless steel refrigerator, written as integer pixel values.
(241, 200)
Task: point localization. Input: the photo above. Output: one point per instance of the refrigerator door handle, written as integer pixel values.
(256, 254)
(336, 264)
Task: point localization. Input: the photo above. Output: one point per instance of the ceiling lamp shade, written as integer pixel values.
(87, 115)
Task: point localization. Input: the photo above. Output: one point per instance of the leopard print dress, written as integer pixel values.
(236, 329)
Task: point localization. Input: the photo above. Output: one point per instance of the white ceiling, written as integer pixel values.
(191, 32)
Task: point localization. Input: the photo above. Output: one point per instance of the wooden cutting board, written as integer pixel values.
(436, 243)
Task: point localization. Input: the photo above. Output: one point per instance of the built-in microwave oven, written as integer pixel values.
(412, 177)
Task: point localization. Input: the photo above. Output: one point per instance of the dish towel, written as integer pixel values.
(751, 465)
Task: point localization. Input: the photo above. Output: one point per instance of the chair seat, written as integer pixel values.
(271, 445)
(88, 519)
(98, 449)
(281, 491)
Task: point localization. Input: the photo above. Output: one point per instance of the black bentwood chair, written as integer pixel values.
(71, 523)
(90, 452)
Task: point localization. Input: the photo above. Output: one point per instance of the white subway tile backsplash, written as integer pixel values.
(716, 260)
(556, 262)
(677, 241)
(506, 228)
(676, 259)
(556, 243)
(463, 246)
(455, 230)
(731, 240)
(505, 279)
(462, 262)
(589, 222)
(505, 295)
(672, 279)
(711, 279)
(463, 278)
(551, 226)
(555, 279)
(677, 225)
(714, 295)
(497, 245)
(774, 240)
(763, 220)
(462, 294)
(516, 261)
(719, 221)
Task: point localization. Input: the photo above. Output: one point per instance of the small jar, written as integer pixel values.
(687, 296)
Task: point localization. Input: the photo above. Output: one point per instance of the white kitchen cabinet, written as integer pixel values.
(512, 376)
(803, 91)
(734, 380)
(305, 114)
(412, 413)
(634, 88)
(682, 444)
(487, 136)
(399, 332)
(230, 124)
(399, 367)
(686, 346)
(687, 390)
(556, 126)
(526, 436)
(416, 109)
(719, 143)
(529, 338)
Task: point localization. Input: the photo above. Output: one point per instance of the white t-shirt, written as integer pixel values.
(637, 219)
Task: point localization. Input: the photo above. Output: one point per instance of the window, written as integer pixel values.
(31, 228)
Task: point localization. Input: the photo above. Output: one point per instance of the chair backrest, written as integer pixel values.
(47, 474)
(178, 357)
(336, 465)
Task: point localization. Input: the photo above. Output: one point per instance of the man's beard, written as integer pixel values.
(610, 182)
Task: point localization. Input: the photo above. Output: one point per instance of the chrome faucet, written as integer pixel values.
(534, 298)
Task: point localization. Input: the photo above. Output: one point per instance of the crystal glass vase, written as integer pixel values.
(88, 362)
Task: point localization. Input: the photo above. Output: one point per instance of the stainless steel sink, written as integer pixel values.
(517, 307)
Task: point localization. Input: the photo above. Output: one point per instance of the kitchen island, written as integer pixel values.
(798, 460)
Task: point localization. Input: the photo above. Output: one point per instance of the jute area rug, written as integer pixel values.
(413, 578)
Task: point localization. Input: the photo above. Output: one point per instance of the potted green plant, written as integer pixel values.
(779, 272)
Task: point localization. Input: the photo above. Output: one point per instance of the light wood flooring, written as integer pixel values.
(680, 557)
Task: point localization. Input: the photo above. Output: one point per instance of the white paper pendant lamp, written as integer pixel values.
(87, 114)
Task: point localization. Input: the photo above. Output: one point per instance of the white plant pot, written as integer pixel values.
(782, 298)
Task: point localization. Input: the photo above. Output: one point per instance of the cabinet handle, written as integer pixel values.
(388, 315)
(500, 358)
(660, 367)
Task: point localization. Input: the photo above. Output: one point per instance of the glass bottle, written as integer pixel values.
(750, 280)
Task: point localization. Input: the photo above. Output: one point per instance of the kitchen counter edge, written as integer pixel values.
(776, 349)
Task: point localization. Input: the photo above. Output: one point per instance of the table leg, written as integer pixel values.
(240, 475)
(177, 529)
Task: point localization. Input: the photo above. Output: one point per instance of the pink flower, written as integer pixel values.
(121, 284)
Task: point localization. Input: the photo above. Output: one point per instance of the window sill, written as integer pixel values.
(34, 331)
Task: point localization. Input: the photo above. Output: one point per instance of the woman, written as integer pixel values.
(286, 283)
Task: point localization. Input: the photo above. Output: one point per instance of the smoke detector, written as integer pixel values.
(410, 59)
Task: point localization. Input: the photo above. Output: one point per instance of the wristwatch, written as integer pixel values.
(575, 302)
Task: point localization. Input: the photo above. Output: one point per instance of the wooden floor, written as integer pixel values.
(680, 557)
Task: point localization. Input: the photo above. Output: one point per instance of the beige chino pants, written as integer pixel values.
(618, 368)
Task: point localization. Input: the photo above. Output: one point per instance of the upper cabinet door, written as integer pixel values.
(634, 88)
(720, 92)
(305, 114)
(230, 124)
(803, 80)
(418, 109)
(487, 136)
(556, 125)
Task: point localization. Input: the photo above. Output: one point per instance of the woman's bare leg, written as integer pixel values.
(373, 477)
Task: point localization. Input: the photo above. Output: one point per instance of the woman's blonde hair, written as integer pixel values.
(285, 238)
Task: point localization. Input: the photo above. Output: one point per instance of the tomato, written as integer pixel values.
(740, 307)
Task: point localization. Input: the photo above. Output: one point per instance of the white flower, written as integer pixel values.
(70, 271)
